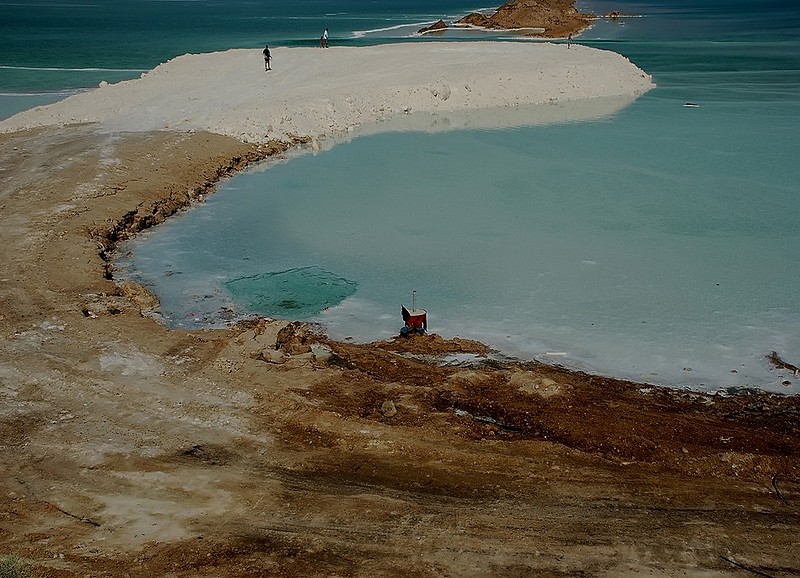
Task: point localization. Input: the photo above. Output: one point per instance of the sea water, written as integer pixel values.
(52, 48)
(659, 244)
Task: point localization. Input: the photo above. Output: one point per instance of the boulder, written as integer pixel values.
(438, 25)
(475, 19)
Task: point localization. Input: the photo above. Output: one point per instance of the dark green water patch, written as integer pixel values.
(294, 293)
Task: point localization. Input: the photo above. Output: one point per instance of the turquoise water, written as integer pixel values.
(48, 47)
(659, 245)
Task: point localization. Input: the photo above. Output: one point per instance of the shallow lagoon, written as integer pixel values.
(657, 245)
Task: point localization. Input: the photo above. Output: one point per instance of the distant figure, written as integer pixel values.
(569, 40)
(324, 39)
(267, 58)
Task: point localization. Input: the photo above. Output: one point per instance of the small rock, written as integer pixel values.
(320, 353)
(439, 25)
(388, 408)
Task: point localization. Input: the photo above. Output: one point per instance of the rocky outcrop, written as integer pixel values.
(439, 25)
(475, 19)
(557, 18)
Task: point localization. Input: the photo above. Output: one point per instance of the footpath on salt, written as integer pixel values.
(329, 92)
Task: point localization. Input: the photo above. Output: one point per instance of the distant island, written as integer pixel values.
(549, 18)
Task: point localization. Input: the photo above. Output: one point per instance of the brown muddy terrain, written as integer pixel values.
(127, 449)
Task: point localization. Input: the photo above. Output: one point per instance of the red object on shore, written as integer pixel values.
(416, 319)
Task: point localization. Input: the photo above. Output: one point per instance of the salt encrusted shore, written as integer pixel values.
(128, 449)
(319, 93)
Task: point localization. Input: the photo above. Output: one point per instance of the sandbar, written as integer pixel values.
(321, 93)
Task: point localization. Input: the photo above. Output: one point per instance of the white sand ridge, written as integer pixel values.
(326, 93)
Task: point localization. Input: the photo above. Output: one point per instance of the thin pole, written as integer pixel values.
(414, 299)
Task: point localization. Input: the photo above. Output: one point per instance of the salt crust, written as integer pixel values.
(330, 93)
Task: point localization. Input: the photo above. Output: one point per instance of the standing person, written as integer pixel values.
(325, 38)
(267, 58)
(569, 40)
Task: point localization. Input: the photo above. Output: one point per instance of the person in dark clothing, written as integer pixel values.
(267, 58)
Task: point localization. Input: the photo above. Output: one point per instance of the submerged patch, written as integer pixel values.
(294, 293)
